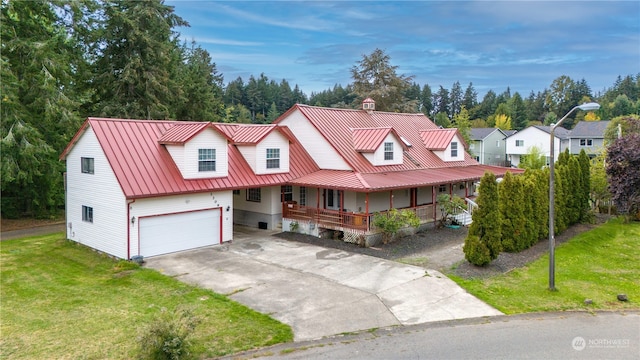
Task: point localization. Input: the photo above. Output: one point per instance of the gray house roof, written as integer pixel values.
(559, 132)
(482, 133)
(589, 129)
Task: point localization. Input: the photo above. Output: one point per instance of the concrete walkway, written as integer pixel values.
(317, 291)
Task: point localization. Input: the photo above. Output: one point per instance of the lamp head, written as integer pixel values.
(589, 106)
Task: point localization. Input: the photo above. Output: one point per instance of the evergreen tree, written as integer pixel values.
(483, 242)
(201, 85)
(133, 72)
(375, 77)
(518, 112)
(470, 98)
(512, 212)
(427, 100)
(585, 185)
(455, 99)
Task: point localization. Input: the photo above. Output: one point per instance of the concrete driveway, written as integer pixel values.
(318, 291)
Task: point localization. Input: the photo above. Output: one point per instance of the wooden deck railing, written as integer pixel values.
(336, 219)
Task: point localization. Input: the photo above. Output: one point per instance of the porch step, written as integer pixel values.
(463, 218)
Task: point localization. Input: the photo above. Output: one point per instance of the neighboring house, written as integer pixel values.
(150, 187)
(587, 135)
(521, 142)
(488, 146)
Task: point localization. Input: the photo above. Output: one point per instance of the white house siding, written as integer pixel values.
(249, 154)
(425, 195)
(187, 159)
(100, 191)
(447, 153)
(377, 158)
(183, 203)
(531, 136)
(322, 153)
(251, 213)
(275, 140)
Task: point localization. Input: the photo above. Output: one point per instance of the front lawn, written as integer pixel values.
(597, 265)
(63, 300)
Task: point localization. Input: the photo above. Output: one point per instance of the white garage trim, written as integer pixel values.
(171, 232)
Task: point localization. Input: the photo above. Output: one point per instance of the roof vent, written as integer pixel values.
(369, 105)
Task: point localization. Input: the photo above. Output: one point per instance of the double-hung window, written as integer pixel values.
(273, 158)
(87, 214)
(303, 195)
(87, 165)
(253, 195)
(287, 192)
(586, 142)
(519, 143)
(206, 160)
(454, 149)
(388, 151)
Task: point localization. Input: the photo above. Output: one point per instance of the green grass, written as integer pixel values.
(63, 300)
(597, 265)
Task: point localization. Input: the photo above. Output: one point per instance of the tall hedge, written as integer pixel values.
(483, 243)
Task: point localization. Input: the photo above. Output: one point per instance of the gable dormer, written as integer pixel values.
(198, 150)
(447, 144)
(380, 146)
(264, 147)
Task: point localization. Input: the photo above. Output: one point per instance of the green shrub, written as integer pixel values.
(475, 251)
(167, 337)
(391, 221)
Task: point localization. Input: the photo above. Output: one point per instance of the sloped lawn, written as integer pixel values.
(598, 264)
(63, 300)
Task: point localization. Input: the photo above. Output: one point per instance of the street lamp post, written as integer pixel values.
(552, 240)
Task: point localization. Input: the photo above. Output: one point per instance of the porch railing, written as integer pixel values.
(336, 219)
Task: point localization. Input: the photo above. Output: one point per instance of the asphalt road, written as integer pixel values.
(571, 335)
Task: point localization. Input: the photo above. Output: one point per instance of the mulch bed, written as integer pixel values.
(426, 242)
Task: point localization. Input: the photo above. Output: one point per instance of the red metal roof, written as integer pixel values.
(144, 168)
(335, 126)
(437, 139)
(182, 132)
(251, 134)
(369, 139)
(353, 181)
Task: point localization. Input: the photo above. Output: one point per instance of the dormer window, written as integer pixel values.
(206, 160)
(273, 158)
(454, 149)
(388, 151)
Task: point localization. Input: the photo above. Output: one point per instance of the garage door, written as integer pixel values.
(176, 232)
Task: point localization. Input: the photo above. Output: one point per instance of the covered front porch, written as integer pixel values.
(313, 211)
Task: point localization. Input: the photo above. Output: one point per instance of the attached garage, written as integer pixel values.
(165, 234)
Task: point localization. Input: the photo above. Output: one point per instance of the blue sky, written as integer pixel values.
(524, 45)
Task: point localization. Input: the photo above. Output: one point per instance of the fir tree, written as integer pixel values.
(482, 244)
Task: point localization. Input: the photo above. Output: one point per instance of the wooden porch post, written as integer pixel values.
(414, 197)
(390, 199)
(466, 189)
(317, 205)
(366, 205)
(433, 201)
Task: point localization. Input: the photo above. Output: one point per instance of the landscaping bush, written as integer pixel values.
(475, 251)
(167, 337)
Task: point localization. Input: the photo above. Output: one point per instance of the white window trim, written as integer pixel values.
(273, 158)
(388, 151)
(87, 214)
(206, 158)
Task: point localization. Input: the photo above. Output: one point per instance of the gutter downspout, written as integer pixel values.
(129, 229)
